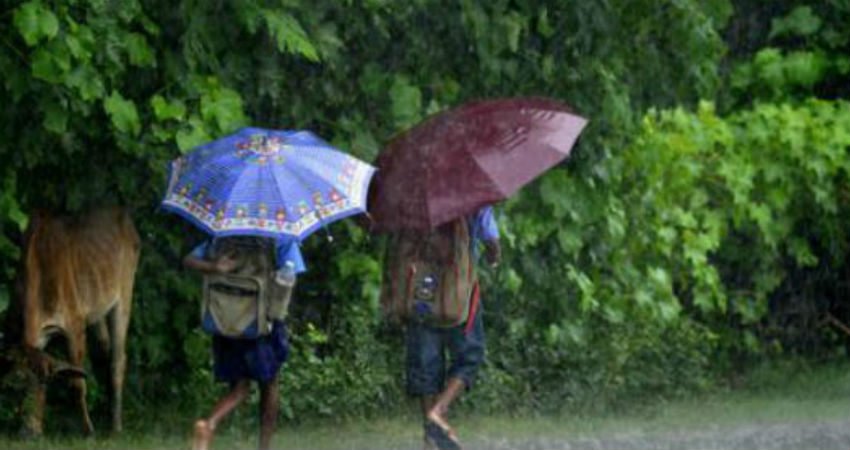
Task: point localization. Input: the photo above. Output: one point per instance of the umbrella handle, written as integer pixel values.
(324, 226)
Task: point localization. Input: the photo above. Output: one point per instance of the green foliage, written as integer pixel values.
(803, 51)
(801, 21)
(698, 231)
(623, 269)
(123, 113)
(773, 75)
(35, 22)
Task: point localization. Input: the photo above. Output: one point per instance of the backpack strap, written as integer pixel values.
(473, 310)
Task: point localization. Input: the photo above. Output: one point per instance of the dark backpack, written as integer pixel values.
(429, 276)
(244, 302)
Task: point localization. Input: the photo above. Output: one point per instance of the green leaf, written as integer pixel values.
(191, 135)
(587, 300)
(703, 301)
(552, 335)
(76, 48)
(802, 252)
(575, 332)
(140, 53)
(512, 281)
(35, 22)
(669, 311)
(751, 342)
(55, 118)
(643, 297)
(4, 299)
(364, 145)
(406, 102)
(372, 80)
(659, 278)
(770, 67)
(19, 218)
(223, 107)
(165, 110)
(87, 81)
(742, 76)
(45, 67)
(801, 21)
(760, 213)
(513, 24)
(613, 315)
(123, 113)
(569, 239)
(289, 36)
(841, 64)
(805, 68)
(9, 206)
(696, 247)
(543, 26)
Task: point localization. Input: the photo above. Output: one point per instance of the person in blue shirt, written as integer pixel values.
(239, 361)
(427, 377)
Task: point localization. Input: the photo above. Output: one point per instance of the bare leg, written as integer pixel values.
(268, 412)
(440, 406)
(204, 428)
(426, 402)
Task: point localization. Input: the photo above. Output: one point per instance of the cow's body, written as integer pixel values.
(77, 272)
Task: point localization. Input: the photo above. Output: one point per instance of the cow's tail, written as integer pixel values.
(45, 366)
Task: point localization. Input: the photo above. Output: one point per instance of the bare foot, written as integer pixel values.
(434, 416)
(428, 444)
(437, 419)
(443, 439)
(202, 434)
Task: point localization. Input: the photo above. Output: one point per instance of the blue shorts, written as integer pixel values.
(426, 355)
(253, 359)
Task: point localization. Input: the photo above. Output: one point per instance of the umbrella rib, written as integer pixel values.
(343, 154)
(322, 219)
(428, 197)
(303, 181)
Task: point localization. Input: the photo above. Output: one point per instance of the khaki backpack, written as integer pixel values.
(243, 303)
(429, 276)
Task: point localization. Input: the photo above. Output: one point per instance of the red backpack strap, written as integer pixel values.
(473, 310)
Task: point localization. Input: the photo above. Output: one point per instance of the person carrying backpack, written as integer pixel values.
(435, 291)
(247, 284)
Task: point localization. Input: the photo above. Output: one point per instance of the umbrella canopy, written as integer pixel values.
(267, 182)
(477, 154)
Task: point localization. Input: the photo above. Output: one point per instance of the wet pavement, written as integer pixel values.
(827, 435)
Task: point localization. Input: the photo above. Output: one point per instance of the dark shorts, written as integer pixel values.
(253, 359)
(426, 355)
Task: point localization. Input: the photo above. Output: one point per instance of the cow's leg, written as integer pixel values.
(34, 422)
(120, 317)
(77, 354)
(35, 360)
(103, 339)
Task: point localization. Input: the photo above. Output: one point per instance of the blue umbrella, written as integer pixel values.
(267, 182)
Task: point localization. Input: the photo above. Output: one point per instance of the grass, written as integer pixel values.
(777, 393)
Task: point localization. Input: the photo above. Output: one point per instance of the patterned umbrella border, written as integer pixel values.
(306, 225)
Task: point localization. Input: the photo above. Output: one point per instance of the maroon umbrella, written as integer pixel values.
(477, 154)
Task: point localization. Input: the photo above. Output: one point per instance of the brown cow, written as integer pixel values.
(78, 271)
